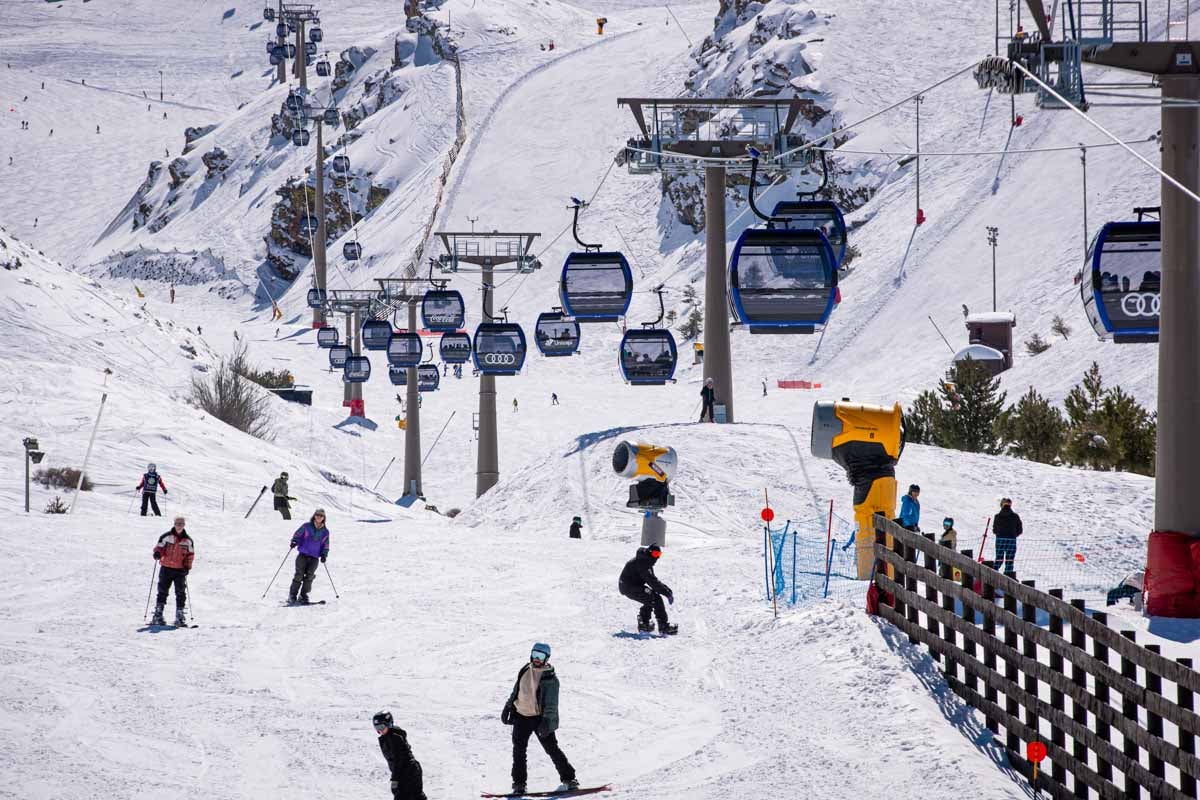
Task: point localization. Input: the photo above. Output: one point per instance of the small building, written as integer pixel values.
(994, 330)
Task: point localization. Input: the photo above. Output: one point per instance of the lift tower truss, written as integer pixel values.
(356, 305)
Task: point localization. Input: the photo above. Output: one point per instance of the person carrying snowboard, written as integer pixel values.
(910, 509)
(312, 542)
(150, 483)
(1006, 527)
(707, 395)
(406, 770)
(174, 553)
(576, 528)
(532, 707)
(638, 583)
(280, 489)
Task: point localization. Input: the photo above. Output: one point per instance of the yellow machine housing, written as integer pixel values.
(866, 441)
(643, 460)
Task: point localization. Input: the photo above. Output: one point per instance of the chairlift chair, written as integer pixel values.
(556, 334)
(377, 334)
(429, 377)
(455, 347)
(443, 310)
(1122, 281)
(499, 348)
(338, 355)
(327, 337)
(352, 251)
(357, 369)
(405, 349)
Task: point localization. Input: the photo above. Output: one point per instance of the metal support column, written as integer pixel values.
(717, 363)
(412, 424)
(281, 68)
(27, 480)
(487, 464)
(347, 391)
(356, 389)
(1177, 463)
(319, 264)
(300, 65)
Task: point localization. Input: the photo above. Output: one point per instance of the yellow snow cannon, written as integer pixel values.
(866, 441)
(651, 466)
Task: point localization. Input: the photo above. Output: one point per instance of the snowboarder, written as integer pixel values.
(532, 707)
(707, 396)
(910, 509)
(576, 528)
(174, 553)
(553, 399)
(150, 483)
(638, 583)
(764, 387)
(312, 541)
(280, 490)
(1006, 527)
(406, 770)
(97, 129)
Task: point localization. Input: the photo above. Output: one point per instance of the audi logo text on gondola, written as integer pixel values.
(1141, 304)
(498, 359)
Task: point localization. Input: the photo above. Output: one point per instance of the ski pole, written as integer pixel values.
(276, 575)
(132, 500)
(335, 594)
(153, 569)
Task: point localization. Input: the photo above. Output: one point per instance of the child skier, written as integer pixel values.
(949, 538)
(174, 553)
(406, 770)
(150, 483)
(576, 528)
(312, 541)
(532, 707)
(638, 583)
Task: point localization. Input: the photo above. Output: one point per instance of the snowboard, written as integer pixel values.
(567, 793)
(641, 635)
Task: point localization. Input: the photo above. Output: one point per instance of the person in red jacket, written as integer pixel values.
(150, 483)
(174, 553)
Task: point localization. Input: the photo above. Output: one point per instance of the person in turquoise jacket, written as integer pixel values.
(910, 509)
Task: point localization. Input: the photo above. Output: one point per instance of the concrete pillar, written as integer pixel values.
(717, 364)
(487, 464)
(412, 429)
(319, 264)
(1177, 462)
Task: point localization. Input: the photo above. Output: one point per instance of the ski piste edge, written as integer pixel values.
(569, 793)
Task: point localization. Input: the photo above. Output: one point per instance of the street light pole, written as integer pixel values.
(993, 234)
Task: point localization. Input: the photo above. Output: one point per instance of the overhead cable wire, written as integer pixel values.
(970, 153)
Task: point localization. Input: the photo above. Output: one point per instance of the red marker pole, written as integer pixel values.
(1035, 753)
(767, 515)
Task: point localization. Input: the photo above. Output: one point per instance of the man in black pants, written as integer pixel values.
(407, 779)
(639, 584)
(707, 396)
(532, 707)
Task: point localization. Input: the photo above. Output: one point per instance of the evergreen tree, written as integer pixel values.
(693, 325)
(1060, 326)
(1036, 345)
(1130, 430)
(689, 295)
(975, 403)
(1033, 429)
(921, 419)
(1086, 443)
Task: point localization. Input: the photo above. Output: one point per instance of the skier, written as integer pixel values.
(312, 541)
(280, 490)
(150, 483)
(532, 707)
(1006, 527)
(514, 405)
(97, 129)
(638, 583)
(707, 396)
(406, 770)
(764, 387)
(174, 553)
(172, 294)
(553, 399)
(910, 509)
(576, 528)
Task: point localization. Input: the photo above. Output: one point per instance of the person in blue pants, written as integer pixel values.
(1006, 527)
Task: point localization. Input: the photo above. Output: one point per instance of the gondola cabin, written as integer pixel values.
(316, 34)
(818, 215)
(310, 50)
(648, 356)
(300, 137)
(405, 349)
(281, 29)
(1122, 281)
(309, 225)
(455, 347)
(352, 251)
(294, 103)
(316, 298)
(782, 280)
(993, 329)
(276, 57)
(269, 14)
(596, 287)
(330, 116)
(357, 369)
(341, 164)
(377, 334)
(338, 355)
(443, 310)
(499, 348)
(398, 375)
(428, 377)
(556, 334)
(327, 337)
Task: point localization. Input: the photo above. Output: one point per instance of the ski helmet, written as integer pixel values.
(150, 468)
(382, 718)
(541, 651)
(948, 522)
(654, 550)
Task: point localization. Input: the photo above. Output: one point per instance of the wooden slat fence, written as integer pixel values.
(1118, 719)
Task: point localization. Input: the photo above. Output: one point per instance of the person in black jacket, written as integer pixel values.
(532, 707)
(406, 770)
(639, 583)
(707, 395)
(576, 528)
(1006, 527)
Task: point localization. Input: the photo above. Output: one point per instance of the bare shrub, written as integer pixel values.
(62, 478)
(234, 400)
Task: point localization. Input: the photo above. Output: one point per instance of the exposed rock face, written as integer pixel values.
(180, 171)
(190, 135)
(216, 161)
(288, 245)
(143, 209)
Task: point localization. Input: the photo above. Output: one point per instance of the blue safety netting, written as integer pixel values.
(810, 560)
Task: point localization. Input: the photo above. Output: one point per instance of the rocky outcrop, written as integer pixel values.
(288, 245)
(180, 171)
(349, 62)
(216, 161)
(191, 135)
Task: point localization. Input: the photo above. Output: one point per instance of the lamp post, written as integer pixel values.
(160, 86)
(32, 453)
(993, 234)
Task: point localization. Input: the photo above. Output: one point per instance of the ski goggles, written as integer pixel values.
(380, 727)
(655, 552)
(539, 656)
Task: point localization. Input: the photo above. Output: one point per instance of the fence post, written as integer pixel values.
(930, 563)
(1154, 723)
(1029, 650)
(946, 572)
(881, 565)
(1079, 710)
(1103, 729)
(1011, 707)
(910, 583)
(1187, 741)
(1057, 699)
(989, 655)
(794, 569)
(1129, 710)
(901, 579)
(968, 615)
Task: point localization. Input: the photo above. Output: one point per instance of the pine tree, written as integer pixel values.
(1059, 325)
(1086, 442)
(689, 295)
(1033, 429)
(1130, 430)
(975, 404)
(693, 325)
(921, 420)
(1036, 345)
